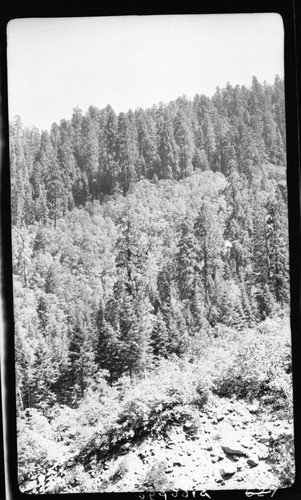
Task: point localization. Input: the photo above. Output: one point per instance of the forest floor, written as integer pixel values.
(230, 451)
(173, 429)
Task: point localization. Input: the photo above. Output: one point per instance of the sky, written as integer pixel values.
(57, 64)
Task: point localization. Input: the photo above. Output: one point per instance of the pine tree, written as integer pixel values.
(90, 156)
(261, 254)
(208, 231)
(184, 140)
(277, 229)
(209, 139)
(81, 357)
(126, 153)
(278, 106)
(66, 159)
(108, 160)
(77, 138)
(148, 159)
(238, 230)
(187, 265)
(21, 191)
(167, 148)
(55, 188)
(108, 343)
(160, 336)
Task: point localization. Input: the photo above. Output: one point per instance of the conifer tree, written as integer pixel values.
(184, 139)
(90, 155)
(108, 155)
(108, 343)
(76, 122)
(21, 191)
(277, 232)
(126, 153)
(160, 336)
(167, 148)
(81, 359)
(208, 232)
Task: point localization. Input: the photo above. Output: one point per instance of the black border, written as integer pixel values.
(290, 10)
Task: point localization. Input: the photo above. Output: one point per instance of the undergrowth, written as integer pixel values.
(282, 459)
(250, 364)
(260, 368)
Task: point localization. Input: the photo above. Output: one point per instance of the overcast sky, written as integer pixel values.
(57, 64)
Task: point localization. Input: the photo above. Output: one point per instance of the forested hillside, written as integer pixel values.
(138, 237)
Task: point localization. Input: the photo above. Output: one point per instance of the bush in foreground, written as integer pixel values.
(260, 369)
(282, 459)
(172, 395)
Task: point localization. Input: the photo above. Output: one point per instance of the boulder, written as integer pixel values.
(178, 463)
(227, 468)
(263, 452)
(246, 443)
(30, 487)
(125, 448)
(253, 408)
(253, 460)
(188, 426)
(232, 448)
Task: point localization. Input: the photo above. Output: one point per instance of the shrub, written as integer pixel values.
(121, 470)
(282, 459)
(156, 480)
(259, 368)
(35, 452)
(172, 395)
(155, 404)
(79, 481)
(65, 425)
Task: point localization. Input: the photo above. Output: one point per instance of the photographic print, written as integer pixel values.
(150, 253)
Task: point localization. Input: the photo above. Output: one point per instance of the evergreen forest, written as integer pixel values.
(144, 242)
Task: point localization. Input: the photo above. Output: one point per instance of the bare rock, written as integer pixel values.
(253, 408)
(227, 468)
(263, 453)
(125, 448)
(170, 445)
(30, 487)
(178, 463)
(188, 426)
(246, 443)
(232, 448)
(253, 460)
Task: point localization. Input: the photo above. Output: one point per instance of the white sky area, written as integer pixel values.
(56, 64)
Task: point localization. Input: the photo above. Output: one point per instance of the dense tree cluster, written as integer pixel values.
(134, 236)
